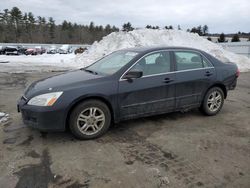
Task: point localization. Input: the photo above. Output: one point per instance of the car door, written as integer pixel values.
(194, 74)
(154, 92)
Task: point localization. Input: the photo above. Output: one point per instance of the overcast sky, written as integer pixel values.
(220, 15)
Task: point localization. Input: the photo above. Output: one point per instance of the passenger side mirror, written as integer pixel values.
(133, 74)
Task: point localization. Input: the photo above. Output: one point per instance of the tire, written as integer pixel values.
(213, 101)
(92, 116)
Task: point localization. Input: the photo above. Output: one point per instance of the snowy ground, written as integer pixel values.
(45, 62)
(116, 41)
(3, 117)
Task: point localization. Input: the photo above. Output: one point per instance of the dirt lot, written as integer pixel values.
(172, 150)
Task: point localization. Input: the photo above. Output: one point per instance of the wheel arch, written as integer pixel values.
(82, 99)
(221, 86)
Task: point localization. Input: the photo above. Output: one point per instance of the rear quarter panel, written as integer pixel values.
(226, 74)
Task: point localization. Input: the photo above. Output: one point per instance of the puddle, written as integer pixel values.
(36, 175)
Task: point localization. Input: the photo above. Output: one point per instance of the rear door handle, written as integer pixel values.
(208, 73)
(168, 80)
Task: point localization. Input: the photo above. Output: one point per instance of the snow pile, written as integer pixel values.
(150, 37)
(116, 41)
(3, 117)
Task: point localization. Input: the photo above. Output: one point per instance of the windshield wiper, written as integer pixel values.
(90, 71)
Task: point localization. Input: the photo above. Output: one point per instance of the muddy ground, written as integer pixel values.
(172, 150)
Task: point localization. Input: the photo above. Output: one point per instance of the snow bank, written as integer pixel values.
(116, 41)
(45, 62)
(150, 37)
(3, 117)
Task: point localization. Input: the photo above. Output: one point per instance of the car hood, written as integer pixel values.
(60, 82)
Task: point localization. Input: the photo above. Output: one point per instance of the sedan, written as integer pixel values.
(128, 84)
(14, 50)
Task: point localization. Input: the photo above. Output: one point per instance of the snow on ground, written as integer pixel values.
(3, 117)
(45, 62)
(116, 41)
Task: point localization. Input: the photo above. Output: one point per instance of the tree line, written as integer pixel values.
(200, 30)
(19, 27)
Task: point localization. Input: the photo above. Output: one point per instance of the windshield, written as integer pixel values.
(112, 62)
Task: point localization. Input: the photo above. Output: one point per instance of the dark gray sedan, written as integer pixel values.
(128, 84)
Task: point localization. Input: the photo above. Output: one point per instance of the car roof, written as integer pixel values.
(156, 48)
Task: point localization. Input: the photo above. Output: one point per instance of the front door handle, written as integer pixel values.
(208, 73)
(168, 80)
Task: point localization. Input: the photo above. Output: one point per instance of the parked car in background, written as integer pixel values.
(80, 50)
(38, 50)
(52, 50)
(65, 49)
(2, 50)
(15, 50)
(127, 84)
(30, 51)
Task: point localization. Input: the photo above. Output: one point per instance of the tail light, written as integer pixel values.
(237, 73)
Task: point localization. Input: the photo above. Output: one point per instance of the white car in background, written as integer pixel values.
(52, 50)
(65, 49)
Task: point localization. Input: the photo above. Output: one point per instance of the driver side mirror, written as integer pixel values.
(133, 74)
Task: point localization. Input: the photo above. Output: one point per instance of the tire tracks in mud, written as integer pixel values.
(8, 81)
(216, 145)
(136, 148)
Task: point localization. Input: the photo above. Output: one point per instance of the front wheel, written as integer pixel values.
(213, 101)
(90, 119)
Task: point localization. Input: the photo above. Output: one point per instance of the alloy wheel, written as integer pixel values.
(91, 120)
(214, 101)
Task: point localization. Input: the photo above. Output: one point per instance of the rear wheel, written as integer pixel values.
(213, 101)
(90, 119)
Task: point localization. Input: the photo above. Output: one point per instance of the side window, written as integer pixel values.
(206, 63)
(155, 63)
(188, 60)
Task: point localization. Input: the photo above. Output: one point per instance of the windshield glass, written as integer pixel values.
(112, 62)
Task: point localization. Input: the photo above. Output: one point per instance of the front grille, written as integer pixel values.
(28, 117)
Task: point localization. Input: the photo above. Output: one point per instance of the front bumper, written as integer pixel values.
(42, 118)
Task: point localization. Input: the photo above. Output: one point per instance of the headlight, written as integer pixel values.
(47, 99)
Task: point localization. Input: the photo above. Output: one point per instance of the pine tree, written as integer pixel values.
(235, 38)
(31, 26)
(199, 30)
(16, 19)
(114, 29)
(127, 27)
(222, 38)
(205, 30)
(91, 26)
(51, 26)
